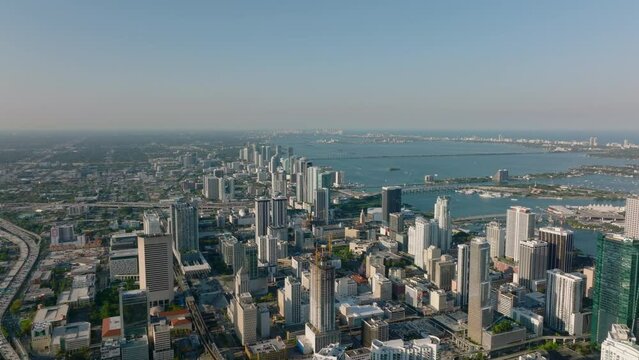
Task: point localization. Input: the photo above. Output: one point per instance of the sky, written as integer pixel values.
(235, 65)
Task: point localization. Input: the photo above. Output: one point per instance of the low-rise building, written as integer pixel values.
(71, 338)
(272, 349)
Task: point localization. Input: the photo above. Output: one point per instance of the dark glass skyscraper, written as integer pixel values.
(616, 295)
(391, 201)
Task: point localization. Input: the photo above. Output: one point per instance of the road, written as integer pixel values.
(19, 274)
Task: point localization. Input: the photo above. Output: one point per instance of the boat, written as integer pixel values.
(394, 169)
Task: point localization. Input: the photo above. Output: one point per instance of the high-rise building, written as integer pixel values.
(278, 212)
(267, 249)
(432, 255)
(278, 184)
(232, 252)
(620, 344)
(442, 216)
(211, 187)
(226, 188)
(501, 176)
(156, 268)
(241, 281)
(382, 287)
(184, 228)
(261, 217)
(311, 178)
(391, 201)
(496, 237)
(520, 226)
(425, 235)
(162, 341)
(292, 301)
(616, 294)
(479, 307)
(321, 205)
(250, 259)
(418, 349)
(246, 319)
(560, 247)
(151, 222)
(134, 313)
(321, 329)
(533, 262)
(564, 293)
(396, 222)
(463, 273)
(373, 329)
(444, 272)
(632, 218)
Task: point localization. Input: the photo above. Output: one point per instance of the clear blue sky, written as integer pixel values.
(307, 64)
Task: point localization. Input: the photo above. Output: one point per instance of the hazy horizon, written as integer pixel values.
(450, 66)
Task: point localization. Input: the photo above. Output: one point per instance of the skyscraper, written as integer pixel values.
(278, 206)
(321, 329)
(152, 223)
(391, 201)
(278, 184)
(632, 218)
(250, 259)
(425, 236)
(321, 205)
(312, 173)
(184, 228)
(246, 319)
(560, 247)
(616, 294)
(533, 262)
(620, 344)
(292, 301)
(241, 281)
(496, 237)
(463, 273)
(156, 268)
(564, 293)
(261, 217)
(520, 226)
(479, 307)
(442, 216)
(211, 187)
(134, 313)
(267, 249)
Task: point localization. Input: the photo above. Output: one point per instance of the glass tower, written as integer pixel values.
(616, 294)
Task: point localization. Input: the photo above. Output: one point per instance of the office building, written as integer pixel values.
(382, 287)
(520, 226)
(267, 250)
(632, 218)
(463, 273)
(70, 338)
(373, 329)
(184, 228)
(391, 201)
(211, 187)
(564, 293)
(232, 252)
(246, 319)
(425, 235)
(241, 281)
(272, 349)
(151, 222)
(321, 203)
(431, 256)
(278, 216)
(226, 189)
(616, 294)
(261, 217)
(620, 344)
(479, 307)
(560, 247)
(442, 216)
(278, 184)
(501, 176)
(396, 222)
(418, 349)
(321, 329)
(444, 272)
(496, 237)
(292, 301)
(162, 341)
(250, 259)
(61, 234)
(533, 262)
(156, 268)
(134, 313)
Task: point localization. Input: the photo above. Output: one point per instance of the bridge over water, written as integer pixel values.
(346, 156)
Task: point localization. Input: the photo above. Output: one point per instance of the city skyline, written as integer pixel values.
(359, 65)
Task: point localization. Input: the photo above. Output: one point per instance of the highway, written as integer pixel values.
(13, 281)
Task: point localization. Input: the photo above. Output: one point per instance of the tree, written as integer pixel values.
(25, 326)
(15, 306)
